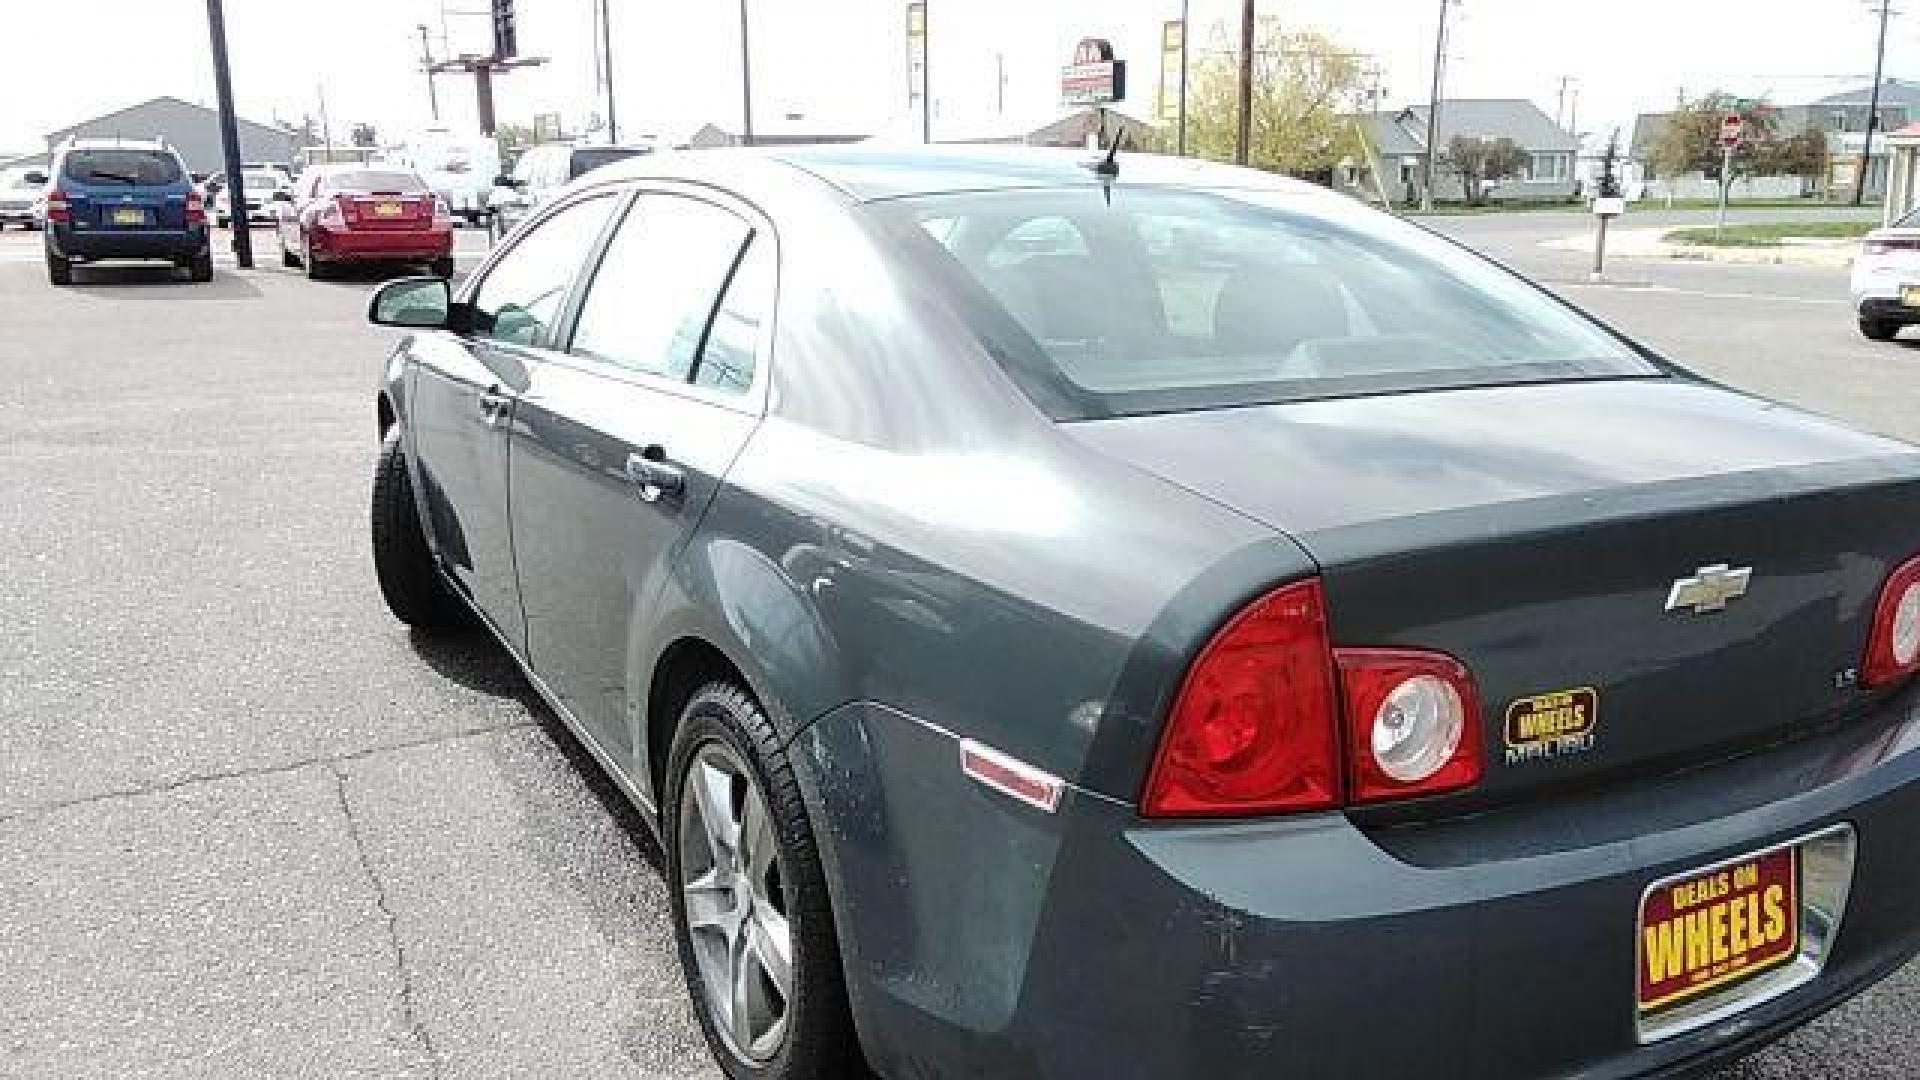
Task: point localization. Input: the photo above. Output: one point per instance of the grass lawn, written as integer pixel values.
(1771, 233)
(1654, 201)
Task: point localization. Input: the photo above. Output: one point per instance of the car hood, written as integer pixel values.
(1310, 468)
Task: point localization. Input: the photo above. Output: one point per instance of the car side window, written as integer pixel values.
(653, 296)
(522, 295)
(733, 345)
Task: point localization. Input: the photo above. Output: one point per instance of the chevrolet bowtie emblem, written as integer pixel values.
(1709, 588)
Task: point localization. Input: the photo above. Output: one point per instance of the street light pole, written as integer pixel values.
(426, 63)
(1185, 30)
(1243, 141)
(1433, 108)
(926, 73)
(230, 136)
(606, 61)
(746, 81)
(1873, 108)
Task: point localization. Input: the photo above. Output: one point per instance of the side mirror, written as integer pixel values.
(281, 195)
(35, 178)
(418, 303)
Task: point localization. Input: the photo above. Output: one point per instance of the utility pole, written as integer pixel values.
(1186, 28)
(326, 131)
(1433, 108)
(1560, 104)
(1885, 10)
(426, 64)
(229, 136)
(1243, 141)
(746, 81)
(606, 53)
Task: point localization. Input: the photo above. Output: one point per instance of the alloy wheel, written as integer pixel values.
(734, 904)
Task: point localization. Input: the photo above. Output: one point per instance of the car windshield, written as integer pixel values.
(120, 165)
(16, 178)
(587, 159)
(376, 180)
(1147, 299)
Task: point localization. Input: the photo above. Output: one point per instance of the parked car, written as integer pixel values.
(459, 167)
(20, 188)
(544, 170)
(1886, 278)
(123, 199)
(260, 185)
(1043, 654)
(352, 213)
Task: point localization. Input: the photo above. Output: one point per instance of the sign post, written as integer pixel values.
(1732, 127)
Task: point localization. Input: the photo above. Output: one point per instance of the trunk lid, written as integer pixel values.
(375, 212)
(1538, 533)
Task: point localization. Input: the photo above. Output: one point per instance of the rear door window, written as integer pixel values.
(523, 294)
(652, 300)
(125, 166)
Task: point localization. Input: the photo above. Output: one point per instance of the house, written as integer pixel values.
(790, 129)
(1081, 126)
(1843, 119)
(192, 130)
(1647, 131)
(1397, 149)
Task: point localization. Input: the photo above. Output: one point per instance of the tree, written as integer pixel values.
(1803, 154)
(1303, 82)
(1477, 161)
(1689, 140)
(1609, 182)
(365, 135)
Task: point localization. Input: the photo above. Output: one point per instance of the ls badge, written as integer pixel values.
(1709, 589)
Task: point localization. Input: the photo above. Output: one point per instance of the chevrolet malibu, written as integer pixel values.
(1141, 618)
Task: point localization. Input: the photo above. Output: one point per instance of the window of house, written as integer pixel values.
(1837, 120)
(1547, 167)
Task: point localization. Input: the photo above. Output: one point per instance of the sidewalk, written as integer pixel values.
(1650, 244)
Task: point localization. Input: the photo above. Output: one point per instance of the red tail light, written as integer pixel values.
(1253, 731)
(1413, 723)
(196, 208)
(1893, 647)
(1257, 726)
(1885, 244)
(57, 208)
(333, 213)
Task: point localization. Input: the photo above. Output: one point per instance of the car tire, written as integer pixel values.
(442, 268)
(201, 268)
(726, 746)
(287, 260)
(59, 270)
(402, 562)
(221, 223)
(316, 270)
(1878, 329)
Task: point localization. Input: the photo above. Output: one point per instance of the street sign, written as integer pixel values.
(1094, 77)
(1609, 207)
(1732, 127)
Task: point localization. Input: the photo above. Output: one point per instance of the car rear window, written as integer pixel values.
(587, 159)
(121, 165)
(381, 180)
(1146, 299)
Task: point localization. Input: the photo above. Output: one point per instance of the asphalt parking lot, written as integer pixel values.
(252, 827)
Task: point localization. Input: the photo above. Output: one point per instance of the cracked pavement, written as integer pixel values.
(251, 827)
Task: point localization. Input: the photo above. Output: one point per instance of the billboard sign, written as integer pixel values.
(1172, 38)
(1094, 77)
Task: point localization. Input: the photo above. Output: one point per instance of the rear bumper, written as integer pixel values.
(983, 938)
(178, 245)
(373, 246)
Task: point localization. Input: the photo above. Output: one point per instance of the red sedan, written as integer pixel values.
(352, 213)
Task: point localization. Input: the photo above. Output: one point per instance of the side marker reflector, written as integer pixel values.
(1010, 776)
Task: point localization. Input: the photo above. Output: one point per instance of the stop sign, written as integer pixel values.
(1731, 128)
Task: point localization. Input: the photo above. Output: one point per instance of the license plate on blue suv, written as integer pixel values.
(129, 215)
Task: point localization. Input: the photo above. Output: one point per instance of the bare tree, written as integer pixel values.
(1478, 162)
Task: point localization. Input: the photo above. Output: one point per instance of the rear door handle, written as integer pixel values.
(654, 476)
(493, 405)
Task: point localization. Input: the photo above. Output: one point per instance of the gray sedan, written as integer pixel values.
(1141, 618)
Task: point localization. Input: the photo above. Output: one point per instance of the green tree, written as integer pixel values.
(1689, 140)
(1478, 161)
(1303, 83)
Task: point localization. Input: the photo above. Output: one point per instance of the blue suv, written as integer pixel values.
(123, 199)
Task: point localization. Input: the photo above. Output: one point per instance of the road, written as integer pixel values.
(250, 826)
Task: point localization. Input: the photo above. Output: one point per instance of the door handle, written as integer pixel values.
(493, 405)
(654, 476)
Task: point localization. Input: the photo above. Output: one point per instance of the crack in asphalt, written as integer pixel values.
(263, 770)
(415, 1024)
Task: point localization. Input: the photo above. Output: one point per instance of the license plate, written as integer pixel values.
(386, 209)
(1711, 931)
(129, 215)
(1910, 296)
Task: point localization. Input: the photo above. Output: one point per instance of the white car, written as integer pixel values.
(20, 190)
(260, 186)
(1886, 278)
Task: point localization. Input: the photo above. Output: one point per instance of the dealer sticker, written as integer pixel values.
(1554, 725)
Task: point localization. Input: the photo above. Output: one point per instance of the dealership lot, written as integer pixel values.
(250, 826)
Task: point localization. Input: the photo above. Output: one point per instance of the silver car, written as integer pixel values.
(20, 190)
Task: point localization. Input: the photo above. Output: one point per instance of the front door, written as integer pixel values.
(621, 444)
(465, 390)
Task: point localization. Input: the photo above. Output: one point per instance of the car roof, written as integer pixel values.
(117, 144)
(867, 172)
